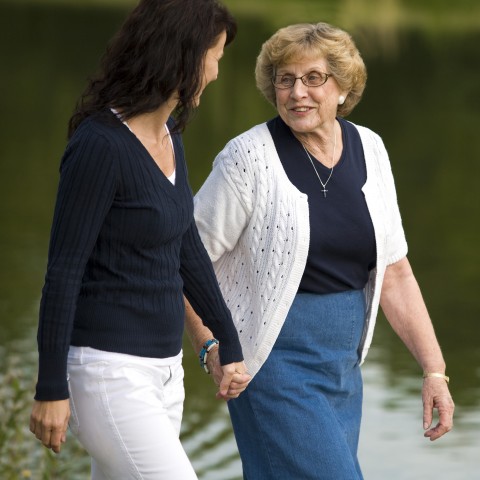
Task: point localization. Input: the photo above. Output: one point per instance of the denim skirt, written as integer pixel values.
(299, 419)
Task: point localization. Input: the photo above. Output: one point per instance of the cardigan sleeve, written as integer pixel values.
(221, 210)
(85, 193)
(396, 244)
(203, 293)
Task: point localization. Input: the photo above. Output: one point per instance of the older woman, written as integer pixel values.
(300, 217)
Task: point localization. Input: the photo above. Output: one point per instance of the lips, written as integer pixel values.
(301, 109)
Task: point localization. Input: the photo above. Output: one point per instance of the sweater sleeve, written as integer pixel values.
(221, 211)
(202, 291)
(397, 247)
(85, 193)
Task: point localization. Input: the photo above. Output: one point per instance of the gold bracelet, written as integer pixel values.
(436, 375)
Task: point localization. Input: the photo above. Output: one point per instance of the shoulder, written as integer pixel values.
(98, 128)
(247, 150)
(373, 146)
(94, 140)
(256, 137)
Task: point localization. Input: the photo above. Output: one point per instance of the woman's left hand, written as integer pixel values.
(232, 377)
(435, 395)
(234, 381)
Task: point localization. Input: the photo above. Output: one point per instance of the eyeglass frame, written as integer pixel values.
(327, 76)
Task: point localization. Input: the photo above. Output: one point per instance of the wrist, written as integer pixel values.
(440, 375)
(207, 347)
(212, 359)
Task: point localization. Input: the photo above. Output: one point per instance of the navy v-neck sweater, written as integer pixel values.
(124, 248)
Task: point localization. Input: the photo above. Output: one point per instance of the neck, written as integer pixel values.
(151, 125)
(320, 143)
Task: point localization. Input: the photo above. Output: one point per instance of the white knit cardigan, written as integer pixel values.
(255, 226)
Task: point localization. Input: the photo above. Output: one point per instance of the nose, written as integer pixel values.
(299, 89)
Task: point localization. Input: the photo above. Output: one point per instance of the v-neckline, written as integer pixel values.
(173, 190)
(153, 165)
(149, 159)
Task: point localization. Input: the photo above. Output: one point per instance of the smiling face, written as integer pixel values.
(307, 109)
(210, 66)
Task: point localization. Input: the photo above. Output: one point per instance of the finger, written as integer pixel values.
(241, 378)
(445, 424)
(56, 440)
(437, 432)
(427, 415)
(39, 431)
(238, 386)
(44, 436)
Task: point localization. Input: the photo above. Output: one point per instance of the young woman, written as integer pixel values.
(125, 250)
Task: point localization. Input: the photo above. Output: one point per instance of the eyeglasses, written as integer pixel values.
(310, 79)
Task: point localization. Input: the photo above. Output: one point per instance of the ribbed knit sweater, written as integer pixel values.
(123, 250)
(255, 225)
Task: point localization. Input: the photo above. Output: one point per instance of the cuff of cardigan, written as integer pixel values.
(52, 377)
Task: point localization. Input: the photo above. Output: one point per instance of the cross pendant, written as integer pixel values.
(324, 192)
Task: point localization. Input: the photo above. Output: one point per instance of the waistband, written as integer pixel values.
(80, 355)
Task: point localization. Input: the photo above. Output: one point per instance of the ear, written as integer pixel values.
(341, 99)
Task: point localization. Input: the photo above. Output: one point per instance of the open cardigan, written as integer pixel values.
(254, 224)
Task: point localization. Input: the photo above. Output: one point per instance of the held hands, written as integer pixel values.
(49, 423)
(232, 379)
(435, 395)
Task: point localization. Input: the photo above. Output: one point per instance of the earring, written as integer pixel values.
(341, 100)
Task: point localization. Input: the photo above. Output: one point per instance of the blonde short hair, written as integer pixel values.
(319, 40)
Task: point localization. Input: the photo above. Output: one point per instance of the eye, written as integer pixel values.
(314, 77)
(286, 79)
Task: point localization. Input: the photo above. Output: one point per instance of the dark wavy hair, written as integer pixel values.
(159, 50)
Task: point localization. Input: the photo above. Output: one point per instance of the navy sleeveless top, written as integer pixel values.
(342, 240)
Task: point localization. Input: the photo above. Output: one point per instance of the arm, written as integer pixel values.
(403, 305)
(86, 189)
(221, 215)
(232, 378)
(222, 208)
(201, 288)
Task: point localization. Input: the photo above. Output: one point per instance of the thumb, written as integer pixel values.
(427, 415)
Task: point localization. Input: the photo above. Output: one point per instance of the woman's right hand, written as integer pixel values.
(49, 422)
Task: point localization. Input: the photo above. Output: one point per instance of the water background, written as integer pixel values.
(422, 97)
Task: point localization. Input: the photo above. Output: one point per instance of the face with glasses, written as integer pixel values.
(306, 95)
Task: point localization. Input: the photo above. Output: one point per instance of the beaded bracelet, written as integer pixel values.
(436, 375)
(207, 346)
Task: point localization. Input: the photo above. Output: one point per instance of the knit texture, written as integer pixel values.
(255, 226)
(124, 248)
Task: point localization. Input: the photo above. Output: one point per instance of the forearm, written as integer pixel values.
(197, 332)
(405, 309)
(232, 379)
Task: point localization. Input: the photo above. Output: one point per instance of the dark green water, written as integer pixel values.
(423, 98)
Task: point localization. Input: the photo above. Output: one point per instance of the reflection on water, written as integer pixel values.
(424, 101)
(392, 443)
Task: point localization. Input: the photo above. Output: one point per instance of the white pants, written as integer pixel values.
(126, 411)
